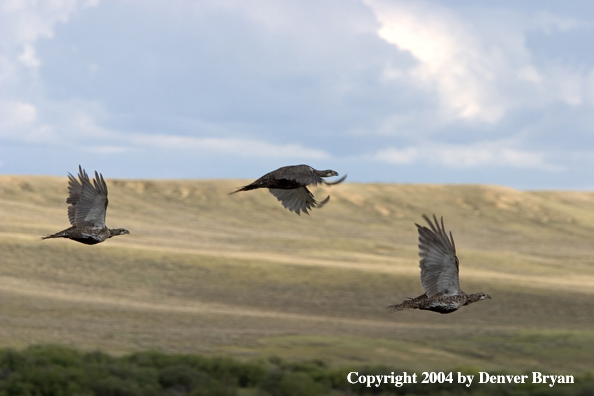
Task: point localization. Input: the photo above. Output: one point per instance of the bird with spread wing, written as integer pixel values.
(88, 204)
(289, 185)
(439, 273)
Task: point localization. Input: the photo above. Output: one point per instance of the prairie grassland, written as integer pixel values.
(207, 272)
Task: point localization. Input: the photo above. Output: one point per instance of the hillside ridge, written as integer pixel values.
(239, 274)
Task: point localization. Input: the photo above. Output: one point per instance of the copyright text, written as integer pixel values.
(439, 378)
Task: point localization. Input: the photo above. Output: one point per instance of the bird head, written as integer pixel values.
(118, 231)
(477, 297)
(328, 173)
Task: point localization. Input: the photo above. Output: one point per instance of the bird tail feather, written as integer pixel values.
(245, 188)
(58, 235)
(411, 303)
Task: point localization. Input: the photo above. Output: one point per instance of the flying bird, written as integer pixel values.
(439, 273)
(289, 185)
(88, 204)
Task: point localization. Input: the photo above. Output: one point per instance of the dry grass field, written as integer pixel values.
(207, 272)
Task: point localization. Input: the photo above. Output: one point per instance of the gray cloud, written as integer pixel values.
(398, 91)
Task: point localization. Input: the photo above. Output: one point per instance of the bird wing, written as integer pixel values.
(297, 199)
(74, 190)
(439, 264)
(88, 201)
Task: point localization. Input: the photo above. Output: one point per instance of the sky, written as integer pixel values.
(491, 92)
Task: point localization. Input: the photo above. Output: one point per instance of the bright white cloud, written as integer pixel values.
(18, 122)
(109, 149)
(28, 56)
(550, 23)
(468, 156)
(451, 56)
(23, 22)
(478, 72)
(398, 156)
(83, 129)
(16, 114)
(529, 73)
(234, 146)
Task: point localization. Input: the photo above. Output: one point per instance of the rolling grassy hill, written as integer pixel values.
(203, 271)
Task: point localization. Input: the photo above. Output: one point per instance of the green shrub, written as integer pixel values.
(182, 378)
(213, 388)
(58, 371)
(279, 383)
(117, 386)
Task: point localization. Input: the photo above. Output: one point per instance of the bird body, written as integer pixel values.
(441, 302)
(289, 185)
(439, 273)
(88, 206)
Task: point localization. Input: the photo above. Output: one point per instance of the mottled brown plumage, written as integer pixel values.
(88, 206)
(439, 273)
(289, 185)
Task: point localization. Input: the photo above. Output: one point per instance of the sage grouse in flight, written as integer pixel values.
(88, 203)
(439, 273)
(289, 185)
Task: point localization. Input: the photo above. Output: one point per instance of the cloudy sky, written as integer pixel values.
(494, 92)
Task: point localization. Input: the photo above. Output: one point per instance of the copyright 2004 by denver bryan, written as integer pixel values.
(457, 377)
